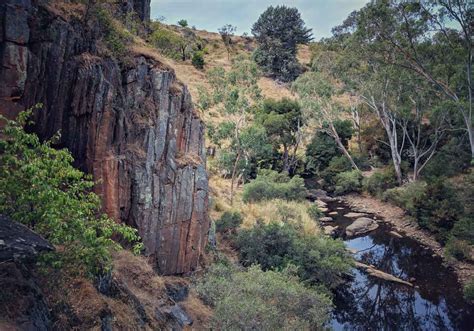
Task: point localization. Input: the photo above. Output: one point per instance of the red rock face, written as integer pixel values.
(133, 127)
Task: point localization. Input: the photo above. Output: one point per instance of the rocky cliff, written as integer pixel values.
(130, 123)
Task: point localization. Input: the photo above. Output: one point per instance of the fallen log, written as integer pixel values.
(380, 274)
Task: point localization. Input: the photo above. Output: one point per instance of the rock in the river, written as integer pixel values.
(131, 124)
(320, 203)
(333, 213)
(396, 234)
(360, 226)
(354, 215)
(326, 219)
(323, 209)
(330, 230)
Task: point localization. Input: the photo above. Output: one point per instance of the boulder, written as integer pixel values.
(329, 230)
(17, 242)
(354, 215)
(321, 204)
(360, 226)
(326, 219)
(333, 213)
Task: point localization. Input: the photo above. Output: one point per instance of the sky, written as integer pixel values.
(320, 15)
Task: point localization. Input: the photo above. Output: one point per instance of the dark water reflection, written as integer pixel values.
(368, 303)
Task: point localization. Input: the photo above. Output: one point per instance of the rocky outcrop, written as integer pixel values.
(360, 226)
(17, 242)
(131, 125)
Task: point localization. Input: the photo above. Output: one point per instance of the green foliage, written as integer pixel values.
(198, 60)
(320, 260)
(336, 166)
(379, 182)
(438, 209)
(282, 121)
(167, 41)
(272, 185)
(258, 300)
(229, 221)
(348, 181)
(319, 152)
(183, 23)
(278, 31)
(115, 37)
(314, 212)
(40, 188)
(469, 290)
(404, 196)
(459, 249)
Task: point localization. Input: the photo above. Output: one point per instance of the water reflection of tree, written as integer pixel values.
(374, 304)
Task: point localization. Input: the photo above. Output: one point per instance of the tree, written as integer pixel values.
(183, 23)
(226, 32)
(236, 93)
(316, 92)
(432, 39)
(278, 31)
(40, 188)
(283, 121)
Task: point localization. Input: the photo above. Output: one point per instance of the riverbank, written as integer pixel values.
(407, 227)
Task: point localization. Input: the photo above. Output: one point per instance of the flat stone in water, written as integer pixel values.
(354, 215)
(326, 219)
(360, 226)
(329, 230)
(333, 213)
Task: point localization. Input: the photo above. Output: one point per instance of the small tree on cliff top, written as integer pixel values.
(278, 31)
(40, 188)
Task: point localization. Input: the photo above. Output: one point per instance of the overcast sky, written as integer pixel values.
(320, 15)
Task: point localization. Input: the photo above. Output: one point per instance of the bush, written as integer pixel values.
(469, 290)
(229, 221)
(336, 166)
(459, 249)
(348, 181)
(167, 41)
(116, 38)
(272, 185)
(314, 212)
(438, 209)
(40, 188)
(405, 195)
(379, 182)
(262, 300)
(198, 60)
(320, 260)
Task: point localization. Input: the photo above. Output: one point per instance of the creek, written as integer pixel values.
(434, 302)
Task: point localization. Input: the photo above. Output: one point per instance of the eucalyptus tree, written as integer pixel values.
(432, 39)
(236, 94)
(317, 96)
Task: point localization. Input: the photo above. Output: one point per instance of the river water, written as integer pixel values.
(367, 303)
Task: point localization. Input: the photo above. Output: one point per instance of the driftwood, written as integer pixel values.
(380, 274)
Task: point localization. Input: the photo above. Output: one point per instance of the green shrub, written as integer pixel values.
(459, 249)
(464, 229)
(115, 37)
(183, 23)
(405, 195)
(314, 212)
(337, 165)
(438, 209)
(379, 182)
(167, 41)
(40, 188)
(469, 290)
(348, 181)
(272, 185)
(320, 260)
(229, 221)
(198, 60)
(262, 300)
